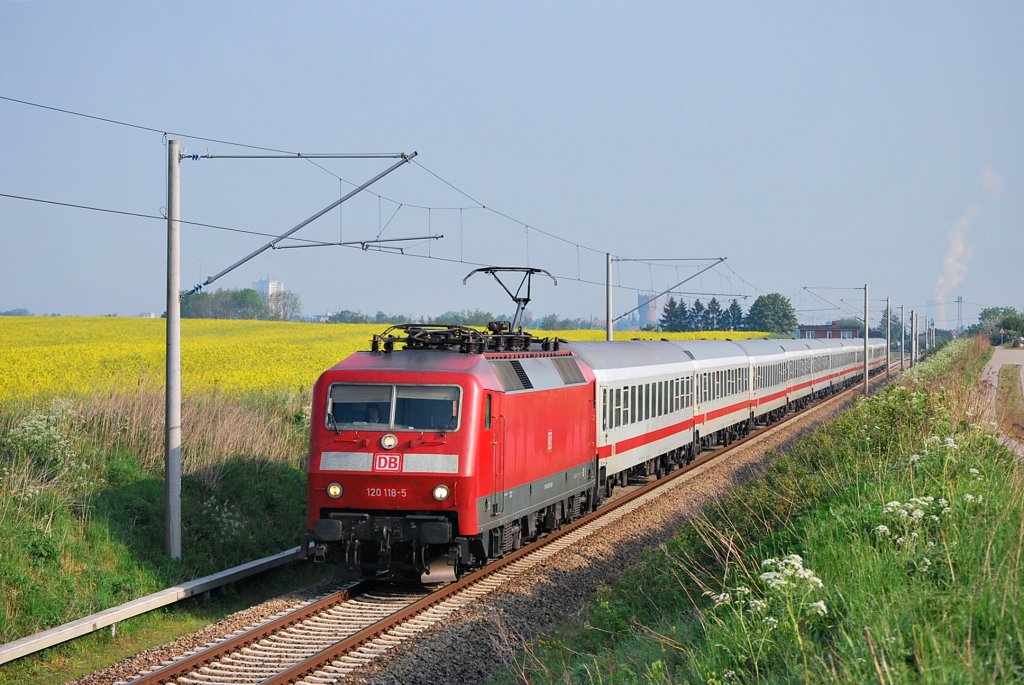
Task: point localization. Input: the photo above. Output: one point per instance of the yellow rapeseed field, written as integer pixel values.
(61, 356)
(42, 357)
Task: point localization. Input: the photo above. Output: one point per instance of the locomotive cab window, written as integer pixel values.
(393, 407)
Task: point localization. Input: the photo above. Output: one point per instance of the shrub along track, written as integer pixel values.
(540, 585)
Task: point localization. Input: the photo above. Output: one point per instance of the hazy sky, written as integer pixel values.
(812, 144)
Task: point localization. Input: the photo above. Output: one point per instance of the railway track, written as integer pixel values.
(324, 641)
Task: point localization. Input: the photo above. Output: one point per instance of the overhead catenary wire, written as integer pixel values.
(311, 158)
(364, 245)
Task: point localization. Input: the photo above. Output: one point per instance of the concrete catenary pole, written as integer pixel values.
(903, 334)
(911, 322)
(866, 324)
(608, 297)
(888, 333)
(172, 417)
(915, 342)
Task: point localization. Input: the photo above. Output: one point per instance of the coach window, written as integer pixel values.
(618, 408)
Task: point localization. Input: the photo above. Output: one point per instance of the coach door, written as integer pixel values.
(498, 441)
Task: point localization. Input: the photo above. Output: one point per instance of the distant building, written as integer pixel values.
(831, 331)
(648, 309)
(267, 287)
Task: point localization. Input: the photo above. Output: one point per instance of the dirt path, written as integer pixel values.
(990, 381)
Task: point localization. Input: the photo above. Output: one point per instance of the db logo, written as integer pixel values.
(387, 462)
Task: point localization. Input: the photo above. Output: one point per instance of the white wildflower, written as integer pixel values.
(774, 580)
(882, 531)
(975, 472)
(818, 608)
(771, 621)
(741, 590)
(917, 514)
(914, 458)
(951, 444)
(968, 497)
(757, 606)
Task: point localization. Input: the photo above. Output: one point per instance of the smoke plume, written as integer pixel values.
(959, 252)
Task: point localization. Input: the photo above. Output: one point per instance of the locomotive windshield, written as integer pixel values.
(393, 407)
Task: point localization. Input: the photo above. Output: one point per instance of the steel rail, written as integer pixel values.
(177, 669)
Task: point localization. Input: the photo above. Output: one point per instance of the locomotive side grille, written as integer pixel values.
(517, 366)
(569, 370)
(511, 374)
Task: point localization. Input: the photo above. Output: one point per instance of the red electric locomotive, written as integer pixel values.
(445, 446)
(455, 448)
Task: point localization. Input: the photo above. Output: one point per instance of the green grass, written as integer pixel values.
(82, 530)
(872, 595)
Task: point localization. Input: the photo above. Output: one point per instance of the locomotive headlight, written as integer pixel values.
(334, 490)
(441, 492)
(389, 441)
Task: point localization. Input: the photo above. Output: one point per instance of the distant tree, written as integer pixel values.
(248, 304)
(451, 318)
(698, 316)
(549, 322)
(991, 318)
(477, 317)
(714, 315)
(894, 327)
(772, 313)
(284, 306)
(347, 316)
(669, 315)
(734, 316)
(15, 312)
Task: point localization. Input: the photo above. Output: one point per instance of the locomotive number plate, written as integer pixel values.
(387, 492)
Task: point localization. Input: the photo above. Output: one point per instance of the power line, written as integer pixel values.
(140, 127)
(165, 133)
(365, 246)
